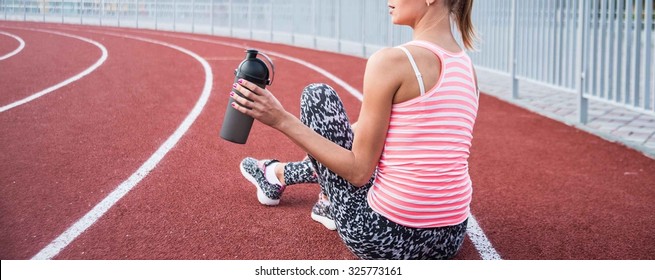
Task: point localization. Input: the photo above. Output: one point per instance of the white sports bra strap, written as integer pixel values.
(419, 77)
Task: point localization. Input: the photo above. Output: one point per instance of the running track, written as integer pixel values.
(125, 162)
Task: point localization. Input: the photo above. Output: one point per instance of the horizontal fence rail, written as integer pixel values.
(353, 27)
(601, 49)
(617, 57)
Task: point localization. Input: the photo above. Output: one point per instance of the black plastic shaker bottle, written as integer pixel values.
(236, 125)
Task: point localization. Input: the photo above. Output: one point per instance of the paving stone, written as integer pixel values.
(629, 126)
(635, 129)
(645, 117)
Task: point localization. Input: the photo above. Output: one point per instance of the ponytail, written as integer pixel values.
(461, 9)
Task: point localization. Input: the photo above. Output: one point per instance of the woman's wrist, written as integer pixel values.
(285, 122)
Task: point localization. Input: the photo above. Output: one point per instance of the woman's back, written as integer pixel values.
(422, 179)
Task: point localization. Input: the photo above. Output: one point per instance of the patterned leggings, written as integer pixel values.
(366, 233)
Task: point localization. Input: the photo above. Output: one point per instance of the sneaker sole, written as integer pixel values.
(329, 224)
(263, 199)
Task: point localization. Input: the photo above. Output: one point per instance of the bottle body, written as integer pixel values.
(236, 125)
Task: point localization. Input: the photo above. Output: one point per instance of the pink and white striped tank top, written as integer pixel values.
(422, 178)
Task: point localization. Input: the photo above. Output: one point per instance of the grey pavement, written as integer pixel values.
(614, 123)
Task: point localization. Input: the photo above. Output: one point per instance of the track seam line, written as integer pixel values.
(474, 231)
(21, 45)
(75, 230)
(72, 79)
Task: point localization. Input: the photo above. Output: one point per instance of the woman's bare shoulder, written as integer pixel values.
(386, 56)
(384, 71)
(385, 62)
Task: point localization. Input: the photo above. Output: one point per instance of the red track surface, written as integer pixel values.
(7, 45)
(46, 60)
(542, 190)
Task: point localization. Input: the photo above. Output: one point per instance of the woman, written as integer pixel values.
(399, 187)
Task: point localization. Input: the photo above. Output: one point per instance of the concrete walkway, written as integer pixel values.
(611, 122)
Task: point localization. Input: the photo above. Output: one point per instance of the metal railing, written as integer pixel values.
(601, 49)
(352, 27)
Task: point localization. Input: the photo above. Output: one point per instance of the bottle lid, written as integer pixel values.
(252, 54)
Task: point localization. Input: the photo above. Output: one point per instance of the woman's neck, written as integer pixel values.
(435, 26)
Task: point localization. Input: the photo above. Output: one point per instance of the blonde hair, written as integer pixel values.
(461, 9)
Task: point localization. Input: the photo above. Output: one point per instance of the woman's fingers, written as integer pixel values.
(243, 90)
(241, 101)
(240, 104)
(249, 87)
(256, 102)
(247, 99)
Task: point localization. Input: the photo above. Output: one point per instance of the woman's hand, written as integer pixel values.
(264, 107)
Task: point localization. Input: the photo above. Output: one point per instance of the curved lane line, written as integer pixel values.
(68, 236)
(474, 231)
(21, 45)
(354, 92)
(92, 68)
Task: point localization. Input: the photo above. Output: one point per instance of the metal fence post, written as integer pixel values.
(620, 13)
(250, 19)
(512, 50)
(293, 29)
(211, 16)
(174, 15)
(649, 95)
(118, 12)
(193, 16)
(137, 13)
(363, 27)
(314, 28)
(337, 16)
(270, 20)
(156, 15)
(230, 16)
(628, 50)
(637, 52)
(609, 71)
(581, 65)
(101, 12)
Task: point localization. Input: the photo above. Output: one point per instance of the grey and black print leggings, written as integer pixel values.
(366, 233)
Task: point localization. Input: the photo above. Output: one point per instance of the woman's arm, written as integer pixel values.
(356, 165)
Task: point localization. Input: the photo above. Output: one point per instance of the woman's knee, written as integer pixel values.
(315, 94)
(322, 110)
(319, 99)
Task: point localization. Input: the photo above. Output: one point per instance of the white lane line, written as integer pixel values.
(223, 58)
(92, 68)
(475, 233)
(21, 45)
(63, 240)
(480, 240)
(353, 91)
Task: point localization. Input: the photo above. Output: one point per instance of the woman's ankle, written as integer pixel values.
(279, 173)
(324, 197)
